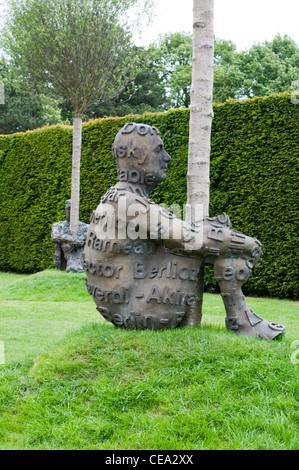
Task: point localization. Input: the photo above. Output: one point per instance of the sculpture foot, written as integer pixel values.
(248, 323)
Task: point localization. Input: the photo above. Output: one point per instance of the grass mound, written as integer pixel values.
(73, 381)
(108, 388)
(48, 285)
(37, 310)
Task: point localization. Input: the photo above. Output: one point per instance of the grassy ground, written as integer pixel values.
(73, 381)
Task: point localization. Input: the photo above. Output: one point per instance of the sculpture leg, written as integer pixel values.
(74, 259)
(57, 256)
(231, 273)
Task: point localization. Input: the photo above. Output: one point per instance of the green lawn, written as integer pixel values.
(73, 381)
(37, 311)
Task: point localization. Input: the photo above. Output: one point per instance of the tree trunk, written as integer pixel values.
(201, 110)
(201, 115)
(75, 193)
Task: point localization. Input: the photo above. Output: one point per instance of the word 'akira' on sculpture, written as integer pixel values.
(143, 264)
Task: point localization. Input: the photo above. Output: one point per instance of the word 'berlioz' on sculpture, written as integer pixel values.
(143, 263)
(68, 247)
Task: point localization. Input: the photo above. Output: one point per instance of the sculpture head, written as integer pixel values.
(140, 155)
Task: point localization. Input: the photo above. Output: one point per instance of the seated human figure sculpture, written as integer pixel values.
(68, 247)
(143, 263)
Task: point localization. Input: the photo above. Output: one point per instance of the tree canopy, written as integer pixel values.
(21, 110)
(24, 109)
(265, 68)
(270, 67)
(145, 93)
(161, 81)
(79, 50)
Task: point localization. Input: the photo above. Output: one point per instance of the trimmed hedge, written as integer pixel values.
(254, 179)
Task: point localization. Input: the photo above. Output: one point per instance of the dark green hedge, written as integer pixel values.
(254, 179)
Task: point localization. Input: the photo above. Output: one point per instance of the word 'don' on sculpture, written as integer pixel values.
(143, 264)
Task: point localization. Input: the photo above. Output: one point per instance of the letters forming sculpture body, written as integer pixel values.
(143, 263)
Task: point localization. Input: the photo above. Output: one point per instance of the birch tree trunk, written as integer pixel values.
(201, 110)
(201, 115)
(76, 158)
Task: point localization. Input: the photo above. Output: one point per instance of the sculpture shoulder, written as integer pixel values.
(61, 232)
(82, 228)
(59, 229)
(125, 195)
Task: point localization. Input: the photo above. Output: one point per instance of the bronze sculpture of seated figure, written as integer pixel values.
(143, 263)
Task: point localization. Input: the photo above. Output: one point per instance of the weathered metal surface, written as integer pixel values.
(141, 285)
(68, 247)
(143, 264)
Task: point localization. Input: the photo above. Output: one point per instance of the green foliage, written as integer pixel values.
(35, 169)
(228, 75)
(79, 50)
(163, 81)
(265, 68)
(146, 93)
(270, 67)
(22, 110)
(172, 58)
(254, 160)
(254, 178)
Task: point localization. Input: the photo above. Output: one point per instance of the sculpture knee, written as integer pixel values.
(231, 271)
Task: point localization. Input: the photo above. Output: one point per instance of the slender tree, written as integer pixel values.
(201, 115)
(201, 110)
(79, 50)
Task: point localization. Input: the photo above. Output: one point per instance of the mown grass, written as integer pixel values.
(78, 382)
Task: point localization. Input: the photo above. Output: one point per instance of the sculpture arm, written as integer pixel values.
(61, 234)
(210, 237)
(135, 218)
(57, 256)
